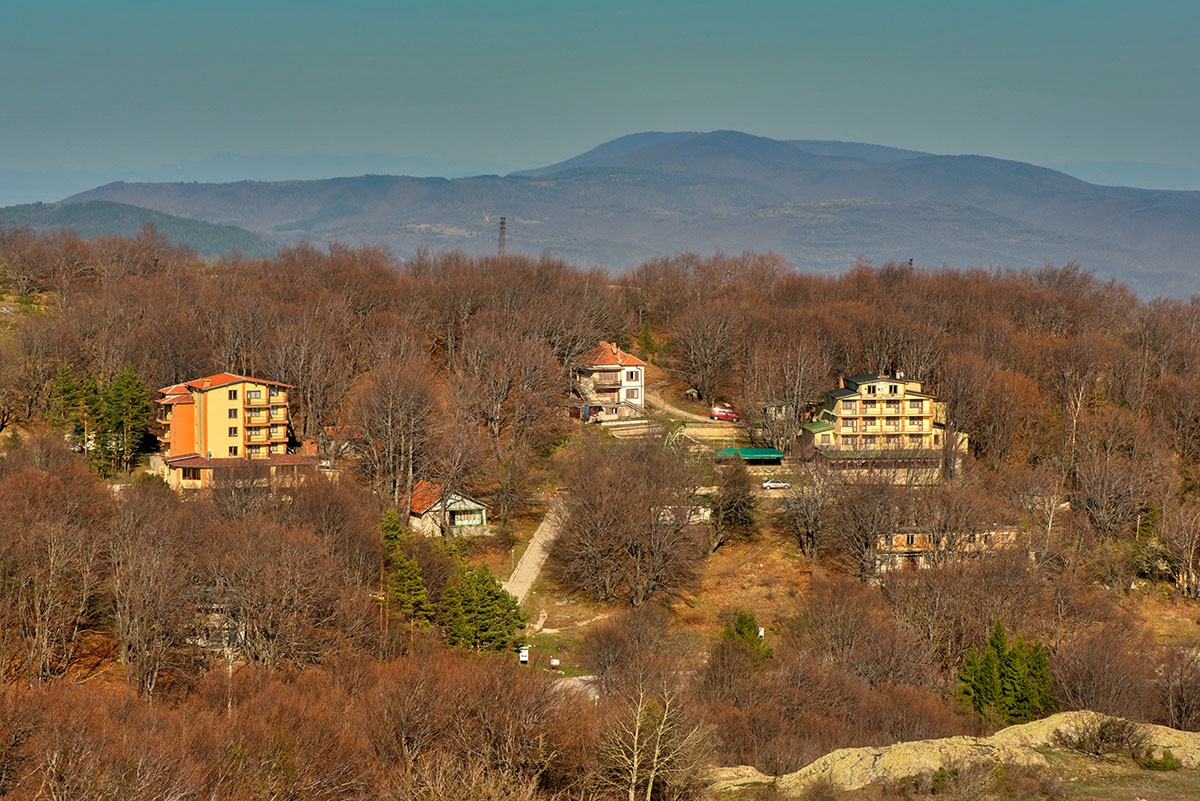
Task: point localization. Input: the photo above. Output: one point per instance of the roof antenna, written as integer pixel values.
(500, 242)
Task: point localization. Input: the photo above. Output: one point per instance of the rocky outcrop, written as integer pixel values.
(852, 768)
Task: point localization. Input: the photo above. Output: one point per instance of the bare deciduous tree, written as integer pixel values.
(652, 749)
(625, 528)
(392, 418)
(1181, 535)
(705, 349)
(858, 522)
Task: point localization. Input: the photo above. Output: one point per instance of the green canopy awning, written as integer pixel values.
(749, 453)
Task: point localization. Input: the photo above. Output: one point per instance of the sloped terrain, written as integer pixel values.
(106, 218)
(1023, 745)
(821, 205)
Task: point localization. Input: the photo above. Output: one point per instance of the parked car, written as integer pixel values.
(724, 413)
(774, 483)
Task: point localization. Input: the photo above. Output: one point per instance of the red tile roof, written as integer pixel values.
(275, 459)
(424, 496)
(606, 354)
(172, 400)
(218, 380)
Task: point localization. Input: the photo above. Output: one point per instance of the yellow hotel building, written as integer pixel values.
(882, 422)
(224, 421)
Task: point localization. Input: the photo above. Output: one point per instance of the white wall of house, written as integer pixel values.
(632, 386)
(466, 518)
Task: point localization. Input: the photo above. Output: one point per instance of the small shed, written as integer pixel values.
(433, 508)
(764, 456)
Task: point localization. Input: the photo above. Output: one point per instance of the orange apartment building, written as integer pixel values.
(225, 421)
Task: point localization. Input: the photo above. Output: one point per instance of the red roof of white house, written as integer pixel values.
(427, 494)
(218, 380)
(424, 495)
(606, 354)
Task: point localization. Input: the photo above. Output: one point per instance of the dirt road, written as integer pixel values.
(656, 400)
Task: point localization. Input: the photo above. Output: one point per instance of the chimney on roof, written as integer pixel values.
(205, 382)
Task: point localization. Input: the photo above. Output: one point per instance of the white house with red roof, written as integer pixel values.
(609, 383)
(435, 511)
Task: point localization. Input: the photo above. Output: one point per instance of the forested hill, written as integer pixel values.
(821, 205)
(106, 218)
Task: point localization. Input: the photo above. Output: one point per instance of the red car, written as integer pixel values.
(724, 413)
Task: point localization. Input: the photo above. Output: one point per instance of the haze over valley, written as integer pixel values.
(822, 205)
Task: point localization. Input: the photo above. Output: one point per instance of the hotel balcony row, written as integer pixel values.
(279, 399)
(257, 417)
(884, 407)
(853, 427)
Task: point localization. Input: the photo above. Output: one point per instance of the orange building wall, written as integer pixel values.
(183, 429)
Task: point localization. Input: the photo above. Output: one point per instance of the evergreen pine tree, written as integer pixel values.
(127, 416)
(451, 618)
(987, 687)
(645, 340)
(1011, 683)
(1041, 682)
(744, 629)
(393, 530)
(407, 590)
(1015, 704)
(92, 417)
(998, 639)
(63, 410)
(492, 614)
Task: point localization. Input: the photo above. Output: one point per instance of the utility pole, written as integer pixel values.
(500, 243)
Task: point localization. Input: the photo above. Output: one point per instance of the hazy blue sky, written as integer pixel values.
(90, 85)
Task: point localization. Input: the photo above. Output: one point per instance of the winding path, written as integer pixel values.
(656, 400)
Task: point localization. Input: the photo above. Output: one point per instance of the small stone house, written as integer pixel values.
(436, 512)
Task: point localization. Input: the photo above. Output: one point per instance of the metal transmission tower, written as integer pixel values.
(500, 242)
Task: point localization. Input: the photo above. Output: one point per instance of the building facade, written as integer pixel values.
(913, 547)
(881, 422)
(871, 413)
(436, 512)
(225, 421)
(609, 383)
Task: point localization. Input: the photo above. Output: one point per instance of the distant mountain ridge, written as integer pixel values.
(105, 218)
(819, 204)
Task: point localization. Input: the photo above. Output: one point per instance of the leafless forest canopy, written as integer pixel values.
(1082, 403)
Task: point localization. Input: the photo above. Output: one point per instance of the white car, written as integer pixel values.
(774, 483)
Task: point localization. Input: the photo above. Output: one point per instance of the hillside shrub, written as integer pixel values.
(1101, 735)
(1167, 761)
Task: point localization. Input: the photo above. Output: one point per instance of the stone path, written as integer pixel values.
(527, 570)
